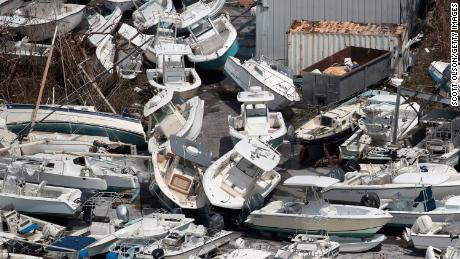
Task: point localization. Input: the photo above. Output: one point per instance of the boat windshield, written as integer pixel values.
(326, 121)
(163, 112)
(201, 28)
(258, 110)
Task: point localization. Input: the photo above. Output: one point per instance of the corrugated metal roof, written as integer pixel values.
(346, 28)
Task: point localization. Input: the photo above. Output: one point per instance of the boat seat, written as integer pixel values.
(181, 183)
(238, 181)
(26, 227)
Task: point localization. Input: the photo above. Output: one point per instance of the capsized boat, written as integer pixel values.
(38, 20)
(38, 199)
(84, 120)
(256, 120)
(317, 214)
(99, 26)
(24, 49)
(397, 179)
(148, 14)
(244, 172)
(425, 232)
(178, 173)
(212, 42)
(309, 246)
(180, 244)
(184, 120)
(259, 72)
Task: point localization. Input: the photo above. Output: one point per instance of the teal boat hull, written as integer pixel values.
(219, 63)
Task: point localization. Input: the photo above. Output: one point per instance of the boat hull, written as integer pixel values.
(37, 205)
(330, 138)
(219, 62)
(351, 245)
(407, 219)
(423, 241)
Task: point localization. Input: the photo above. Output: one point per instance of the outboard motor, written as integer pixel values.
(86, 194)
(158, 253)
(122, 213)
(337, 173)
(254, 202)
(370, 199)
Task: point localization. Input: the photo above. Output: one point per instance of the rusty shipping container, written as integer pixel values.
(309, 42)
(323, 88)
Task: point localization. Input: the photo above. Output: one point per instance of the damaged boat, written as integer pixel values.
(148, 14)
(99, 26)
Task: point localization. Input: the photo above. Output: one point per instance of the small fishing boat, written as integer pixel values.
(309, 246)
(245, 171)
(148, 14)
(246, 253)
(99, 26)
(317, 214)
(38, 199)
(330, 126)
(9, 6)
(178, 173)
(24, 49)
(198, 11)
(256, 120)
(84, 120)
(38, 20)
(109, 53)
(25, 232)
(358, 245)
(166, 119)
(259, 72)
(396, 179)
(212, 42)
(406, 211)
(425, 232)
(180, 244)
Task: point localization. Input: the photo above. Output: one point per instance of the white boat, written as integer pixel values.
(317, 214)
(425, 233)
(100, 26)
(180, 244)
(397, 179)
(9, 6)
(256, 120)
(84, 120)
(107, 55)
(124, 5)
(246, 253)
(24, 49)
(309, 246)
(452, 252)
(358, 245)
(148, 14)
(261, 73)
(38, 20)
(198, 11)
(178, 173)
(245, 171)
(166, 119)
(38, 199)
(26, 232)
(330, 126)
(133, 37)
(212, 42)
(147, 229)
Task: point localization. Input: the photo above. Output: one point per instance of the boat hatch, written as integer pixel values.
(310, 181)
(192, 151)
(420, 178)
(258, 153)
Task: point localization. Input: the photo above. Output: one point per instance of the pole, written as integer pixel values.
(43, 82)
(396, 82)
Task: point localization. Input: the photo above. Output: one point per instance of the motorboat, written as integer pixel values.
(133, 37)
(259, 72)
(99, 26)
(358, 244)
(246, 253)
(256, 120)
(109, 53)
(38, 198)
(124, 5)
(198, 11)
(425, 232)
(309, 246)
(192, 240)
(168, 53)
(9, 6)
(84, 120)
(148, 14)
(330, 126)
(38, 20)
(166, 119)
(397, 179)
(144, 230)
(24, 49)
(245, 171)
(406, 211)
(316, 214)
(178, 173)
(212, 42)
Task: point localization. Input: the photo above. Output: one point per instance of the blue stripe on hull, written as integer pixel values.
(218, 63)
